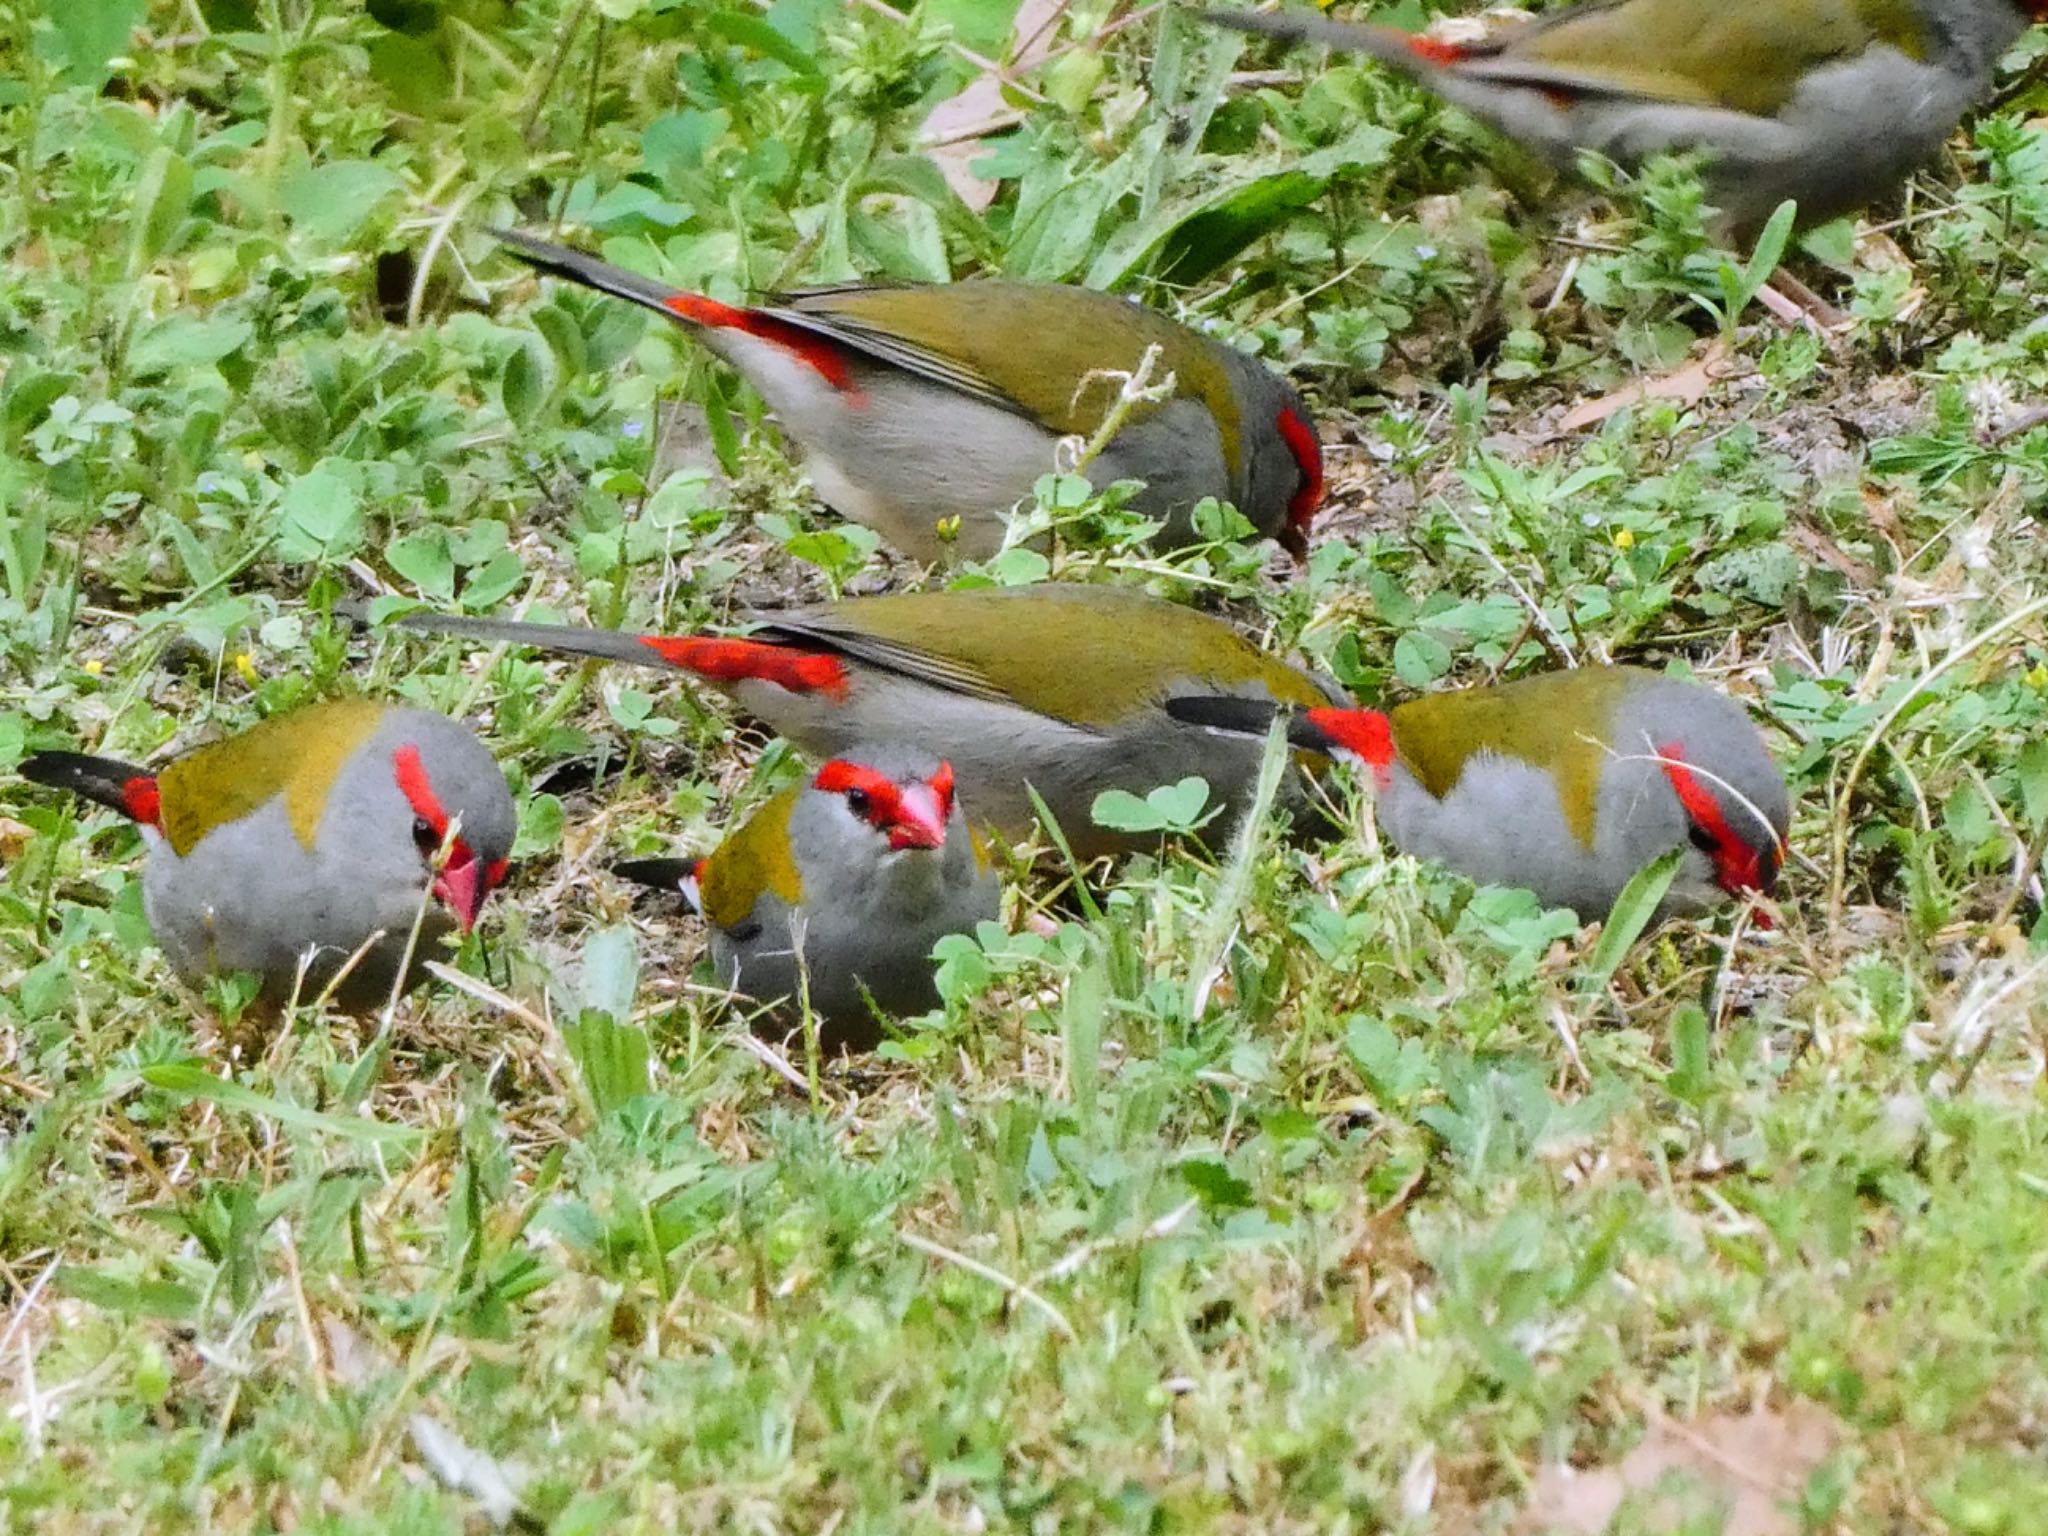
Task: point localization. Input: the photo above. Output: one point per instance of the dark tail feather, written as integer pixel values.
(568, 639)
(578, 267)
(1245, 717)
(662, 874)
(106, 781)
(1224, 712)
(1383, 43)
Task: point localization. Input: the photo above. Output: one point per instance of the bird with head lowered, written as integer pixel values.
(928, 411)
(317, 834)
(833, 893)
(1058, 688)
(1566, 783)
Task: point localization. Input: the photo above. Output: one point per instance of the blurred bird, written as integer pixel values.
(1831, 103)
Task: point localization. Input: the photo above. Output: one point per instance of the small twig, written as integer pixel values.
(546, 87)
(437, 236)
(1072, 1260)
(1009, 1287)
(2019, 426)
(770, 1058)
(316, 1364)
(27, 1304)
(1553, 642)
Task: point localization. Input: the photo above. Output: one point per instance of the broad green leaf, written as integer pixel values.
(612, 1059)
(92, 32)
(320, 516)
(162, 198)
(1187, 242)
(529, 381)
(750, 31)
(1690, 1044)
(330, 203)
(1214, 1184)
(181, 341)
(423, 559)
(1420, 658)
(2033, 771)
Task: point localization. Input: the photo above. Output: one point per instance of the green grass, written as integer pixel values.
(1353, 1215)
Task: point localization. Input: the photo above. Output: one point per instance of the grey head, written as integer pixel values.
(256, 894)
(1280, 467)
(1690, 770)
(886, 866)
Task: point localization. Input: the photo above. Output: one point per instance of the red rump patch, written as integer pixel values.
(1435, 51)
(139, 798)
(1365, 733)
(827, 361)
(1738, 866)
(735, 661)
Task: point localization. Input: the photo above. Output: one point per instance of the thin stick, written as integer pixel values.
(995, 1277)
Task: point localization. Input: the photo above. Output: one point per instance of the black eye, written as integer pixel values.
(1703, 840)
(858, 802)
(424, 837)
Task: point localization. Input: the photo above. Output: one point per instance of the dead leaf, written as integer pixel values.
(1811, 541)
(1689, 385)
(493, 1483)
(15, 836)
(1750, 1469)
(954, 133)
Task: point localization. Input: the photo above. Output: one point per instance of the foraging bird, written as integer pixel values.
(1059, 686)
(307, 834)
(861, 869)
(1566, 783)
(915, 405)
(1832, 103)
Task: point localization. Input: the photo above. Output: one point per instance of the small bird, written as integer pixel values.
(304, 836)
(918, 404)
(1059, 686)
(859, 871)
(1566, 783)
(1831, 103)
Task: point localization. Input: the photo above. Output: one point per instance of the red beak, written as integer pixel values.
(920, 820)
(460, 887)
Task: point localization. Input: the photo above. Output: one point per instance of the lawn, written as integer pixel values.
(1293, 1187)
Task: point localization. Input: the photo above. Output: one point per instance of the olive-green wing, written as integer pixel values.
(298, 755)
(1710, 53)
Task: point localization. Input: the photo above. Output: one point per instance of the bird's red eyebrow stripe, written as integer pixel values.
(1737, 864)
(827, 361)
(734, 661)
(418, 790)
(141, 800)
(1300, 439)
